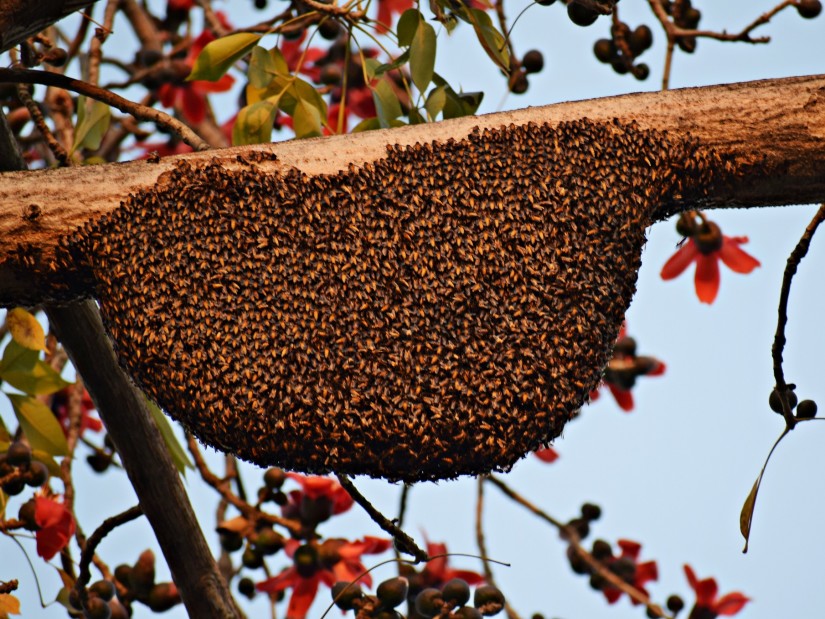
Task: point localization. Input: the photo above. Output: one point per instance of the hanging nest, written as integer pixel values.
(442, 311)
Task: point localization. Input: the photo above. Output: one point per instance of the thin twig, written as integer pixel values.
(106, 527)
(572, 537)
(141, 112)
(403, 541)
(482, 546)
(37, 116)
(779, 339)
(95, 47)
(250, 512)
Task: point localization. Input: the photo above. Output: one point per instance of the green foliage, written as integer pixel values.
(39, 424)
(93, 120)
(220, 54)
(179, 457)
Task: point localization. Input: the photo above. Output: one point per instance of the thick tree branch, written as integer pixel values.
(774, 128)
(146, 459)
(20, 19)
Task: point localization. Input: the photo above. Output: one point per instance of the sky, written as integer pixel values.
(673, 473)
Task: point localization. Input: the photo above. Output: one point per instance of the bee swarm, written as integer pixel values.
(439, 312)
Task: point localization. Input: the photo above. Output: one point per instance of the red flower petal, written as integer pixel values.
(612, 594)
(730, 604)
(629, 548)
(193, 105)
(56, 526)
(221, 85)
(623, 397)
(472, 578)
(303, 594)
(645, 572)
(707, 277)
(680, 261)
(548, 454)
(282, 581)
(735, 258)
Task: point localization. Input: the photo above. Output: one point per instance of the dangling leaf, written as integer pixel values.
(9, 605)
(386, 103)
(265, 65)
(254, 123)
(92, 123)
(42, 379)
(25, 329)
(407, 26)
(306, 120)
(179, 457)
(435, 101)
(490, 38)
(16, 358)
(39, 425)
(220, 54)
(422, 56)
(746, 516)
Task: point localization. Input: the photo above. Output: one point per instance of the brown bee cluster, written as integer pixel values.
(442, 311)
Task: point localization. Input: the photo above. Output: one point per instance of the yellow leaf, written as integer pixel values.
(9, 604)
(25, 329)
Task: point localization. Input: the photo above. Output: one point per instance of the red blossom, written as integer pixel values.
(624, 368)
(60, 408)
(548, 454)
(333, 561)
(643, 573)
(706, 246)
(316, 487)
(707, 599)
(437, 571)
(56, 526)
(191, 97)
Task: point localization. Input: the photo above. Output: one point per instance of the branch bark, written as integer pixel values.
(775, 128)
(20, 19)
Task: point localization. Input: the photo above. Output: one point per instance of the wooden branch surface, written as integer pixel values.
(777, 126)
(20, 19)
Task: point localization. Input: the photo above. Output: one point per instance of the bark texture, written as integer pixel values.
(774, 128)
(20, 19)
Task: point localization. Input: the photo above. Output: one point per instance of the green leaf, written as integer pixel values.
(216, 58)
(42, 379)
(25, 329)
(265, 65)
(386, 103)
(458, 105)
(19, 359)
(422, 56)
(306, 120)
(254, 123)
(746, 515)
(376, 69)
(179, 457)
(435, 101)
(368, 124)
(39, 425)
(490, 38)
(415, 117)
(92, 123)
(407, 26)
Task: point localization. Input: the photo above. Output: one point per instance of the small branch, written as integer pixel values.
(25, 76)
(779, 339)
(37, 116)
(250, 512)
(569, 534)
(482, 546)
(403, 541)
(106, 527)
(95, 47)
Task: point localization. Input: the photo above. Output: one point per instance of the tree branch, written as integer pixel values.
(20, 19)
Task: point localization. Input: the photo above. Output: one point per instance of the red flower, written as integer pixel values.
(56, 526)
(436, 572)
(548, 454)
(320, 491)
(60, 408)
(642, 573)
(706, 246)
(706, 596)
(624, 368)
(191, 96)
(332, 561)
